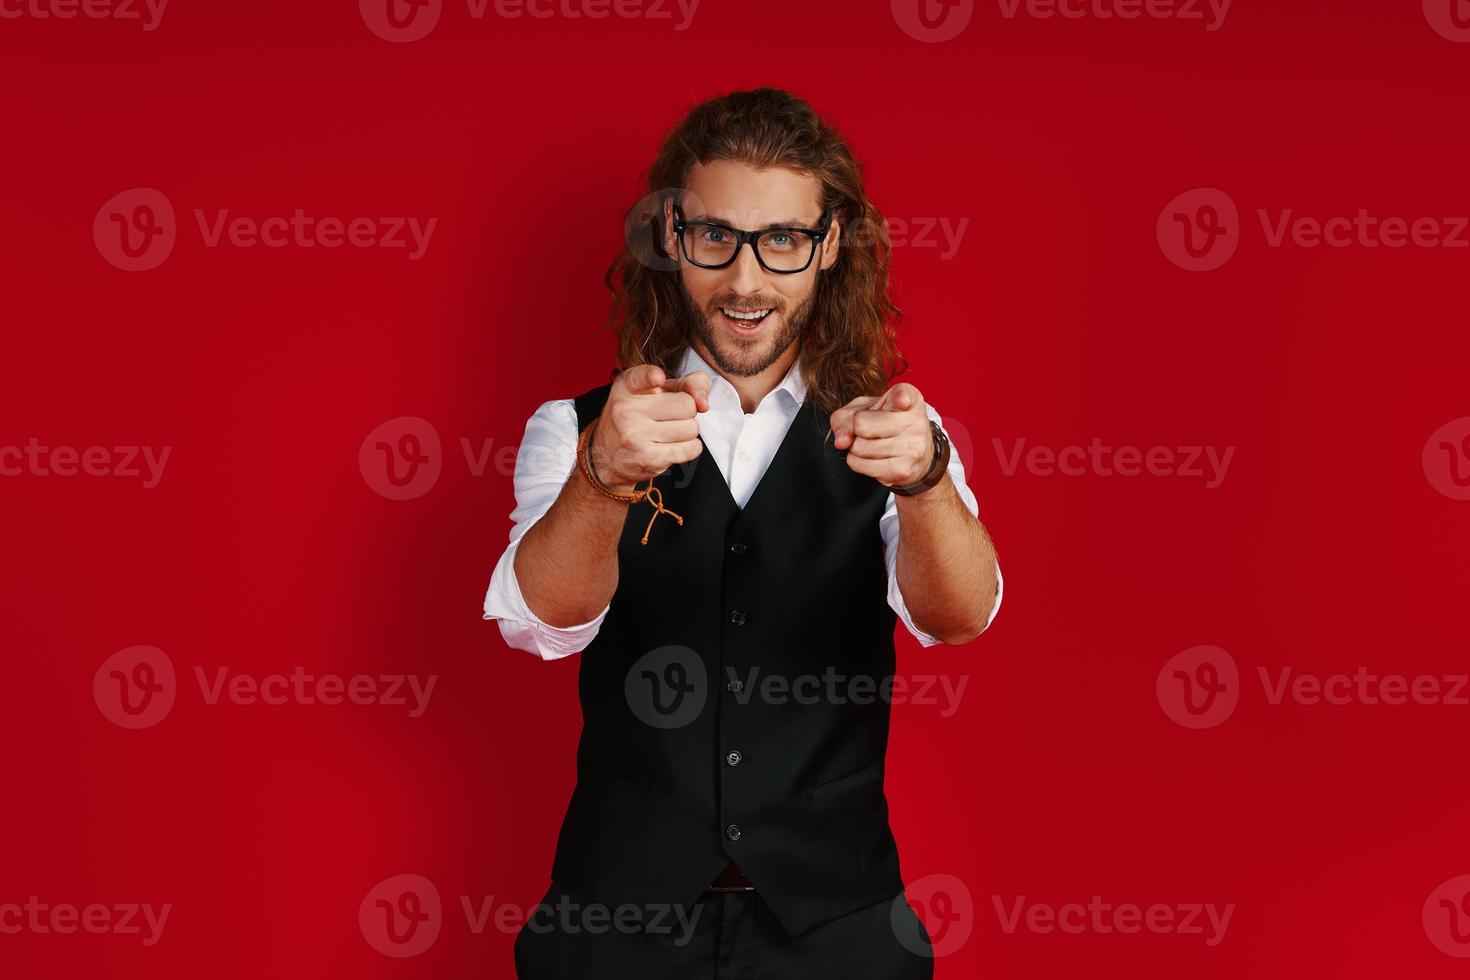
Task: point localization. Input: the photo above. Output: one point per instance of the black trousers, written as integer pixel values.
(727, 936)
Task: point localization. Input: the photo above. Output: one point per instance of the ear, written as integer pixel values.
(670, 239)
(831, 244)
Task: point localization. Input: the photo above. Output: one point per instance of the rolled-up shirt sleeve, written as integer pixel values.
(888, 525)
(547, 456)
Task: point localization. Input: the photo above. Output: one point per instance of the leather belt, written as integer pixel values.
(732, 879)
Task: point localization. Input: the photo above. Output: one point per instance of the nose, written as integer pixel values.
(745, 277)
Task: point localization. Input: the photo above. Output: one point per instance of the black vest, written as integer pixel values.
(731, 700)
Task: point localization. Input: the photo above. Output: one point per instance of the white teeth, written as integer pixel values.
(744, 316)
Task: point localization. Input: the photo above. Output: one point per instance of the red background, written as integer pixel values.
(263, 548)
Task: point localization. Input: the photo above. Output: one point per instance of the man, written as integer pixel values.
(729, 531)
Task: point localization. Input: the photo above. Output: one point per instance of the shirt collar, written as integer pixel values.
(792, 383)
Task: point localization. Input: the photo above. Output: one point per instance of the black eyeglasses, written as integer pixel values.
(711, 245)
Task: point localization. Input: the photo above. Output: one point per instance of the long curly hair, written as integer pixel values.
(850, 345)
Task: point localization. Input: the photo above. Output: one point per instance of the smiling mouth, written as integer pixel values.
(745, 321)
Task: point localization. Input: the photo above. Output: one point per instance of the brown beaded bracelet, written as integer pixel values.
(937, 469)
(650, 492)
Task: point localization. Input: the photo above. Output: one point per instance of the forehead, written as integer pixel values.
(747, 197)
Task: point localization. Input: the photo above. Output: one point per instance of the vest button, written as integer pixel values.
(733, 758)
(737, 617)
(735, 686)
(738, 547)
(732, 832)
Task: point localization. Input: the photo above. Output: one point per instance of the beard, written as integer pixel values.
(731, 356)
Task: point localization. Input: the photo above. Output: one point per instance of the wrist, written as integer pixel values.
(936, 475)
(601, 463)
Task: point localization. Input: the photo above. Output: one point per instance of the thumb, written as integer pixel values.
(643, 378)
(696, 384)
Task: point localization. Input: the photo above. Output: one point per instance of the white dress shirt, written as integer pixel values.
(742, 445)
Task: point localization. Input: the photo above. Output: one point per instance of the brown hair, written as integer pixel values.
(849, 347)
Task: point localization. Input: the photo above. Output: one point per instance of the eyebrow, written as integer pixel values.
(791, 223)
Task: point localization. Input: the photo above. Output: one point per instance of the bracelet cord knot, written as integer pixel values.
(650, 493)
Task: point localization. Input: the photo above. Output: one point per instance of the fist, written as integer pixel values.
(648, 424)
(886, 436)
